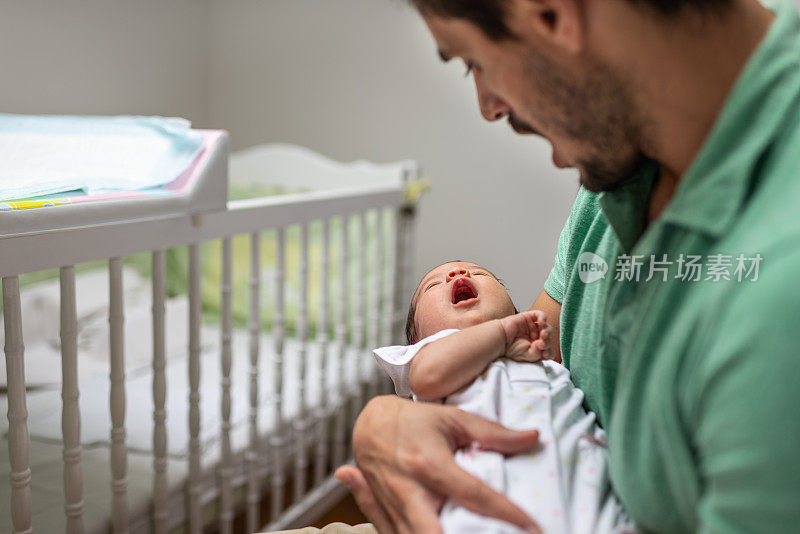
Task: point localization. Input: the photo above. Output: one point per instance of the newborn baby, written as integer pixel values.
(469, 347)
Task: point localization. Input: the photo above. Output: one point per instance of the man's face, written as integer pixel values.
(581, 107)
(457, 295)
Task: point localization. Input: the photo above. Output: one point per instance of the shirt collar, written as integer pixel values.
(625, 207)
(717, 183)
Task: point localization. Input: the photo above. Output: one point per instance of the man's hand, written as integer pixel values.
(406, 468)
(528, 336)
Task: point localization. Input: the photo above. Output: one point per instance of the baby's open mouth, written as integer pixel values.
(463, 291)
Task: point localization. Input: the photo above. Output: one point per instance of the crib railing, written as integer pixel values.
(244, 478)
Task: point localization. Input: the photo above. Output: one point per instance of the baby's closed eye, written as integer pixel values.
(432, 284)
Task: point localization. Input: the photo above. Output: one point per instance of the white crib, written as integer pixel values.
(266, 467)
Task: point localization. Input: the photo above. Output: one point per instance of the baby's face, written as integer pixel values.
(457, 295)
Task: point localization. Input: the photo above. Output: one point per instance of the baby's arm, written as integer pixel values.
(448, 364)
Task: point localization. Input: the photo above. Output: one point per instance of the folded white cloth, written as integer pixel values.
(43, 155)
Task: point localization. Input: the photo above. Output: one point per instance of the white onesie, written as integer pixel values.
(563, 485)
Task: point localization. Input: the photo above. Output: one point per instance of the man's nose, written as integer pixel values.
(457, 272)
(492, 107)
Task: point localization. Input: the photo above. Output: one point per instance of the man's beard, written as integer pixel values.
(597, 111)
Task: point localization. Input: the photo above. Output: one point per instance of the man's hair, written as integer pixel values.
(489, 15)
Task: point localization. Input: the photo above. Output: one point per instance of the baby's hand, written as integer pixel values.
(528, 336)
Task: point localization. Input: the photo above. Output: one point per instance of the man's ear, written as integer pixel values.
(559, 23)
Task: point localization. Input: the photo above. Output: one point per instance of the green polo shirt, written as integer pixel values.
(688, 345)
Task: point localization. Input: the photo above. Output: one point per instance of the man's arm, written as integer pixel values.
(552, 308)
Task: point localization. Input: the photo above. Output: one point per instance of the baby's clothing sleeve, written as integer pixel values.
(396, 360)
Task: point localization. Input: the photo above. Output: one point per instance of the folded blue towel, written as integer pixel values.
(51, 154)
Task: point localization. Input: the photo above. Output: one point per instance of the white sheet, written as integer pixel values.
(43, 368)
(44, 406)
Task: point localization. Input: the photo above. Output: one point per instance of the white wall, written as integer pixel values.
(349, 78)
(101, 57)
(360, 78)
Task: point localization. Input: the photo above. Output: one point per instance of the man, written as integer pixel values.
(685, 117)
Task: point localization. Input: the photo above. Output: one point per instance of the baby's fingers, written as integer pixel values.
(545, 343)
(524, 351)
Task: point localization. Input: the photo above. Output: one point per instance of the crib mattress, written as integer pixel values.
(201, 188)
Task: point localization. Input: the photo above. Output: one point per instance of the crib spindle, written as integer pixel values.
(119, 452)
(377, 303)
(254, 326)
(300, 422)
(194, 481)
(70, 410)
(321, 465)
(339, 437)
(359, 322)
(160, 511)
(18, 439)
(277, 438)
(390, 310)
(403, 264)
(226, 467)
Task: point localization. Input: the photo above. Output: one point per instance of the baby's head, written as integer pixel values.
(456, 294)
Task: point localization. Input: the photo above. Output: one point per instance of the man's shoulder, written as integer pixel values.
(585, 209)
(586, 226)
(768, 222)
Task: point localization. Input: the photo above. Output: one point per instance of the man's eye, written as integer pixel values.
(470, 66)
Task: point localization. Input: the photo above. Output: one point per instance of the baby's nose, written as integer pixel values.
(457, 272)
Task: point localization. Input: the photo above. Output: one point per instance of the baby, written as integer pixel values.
(470, 347)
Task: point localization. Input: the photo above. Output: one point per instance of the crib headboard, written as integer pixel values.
(302, 168)
(346, 239)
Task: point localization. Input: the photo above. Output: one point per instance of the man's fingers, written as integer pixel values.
(393, 488)
(353, 478)
(475, 495)
(492, 436)
(422, 515)
(409, 506)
